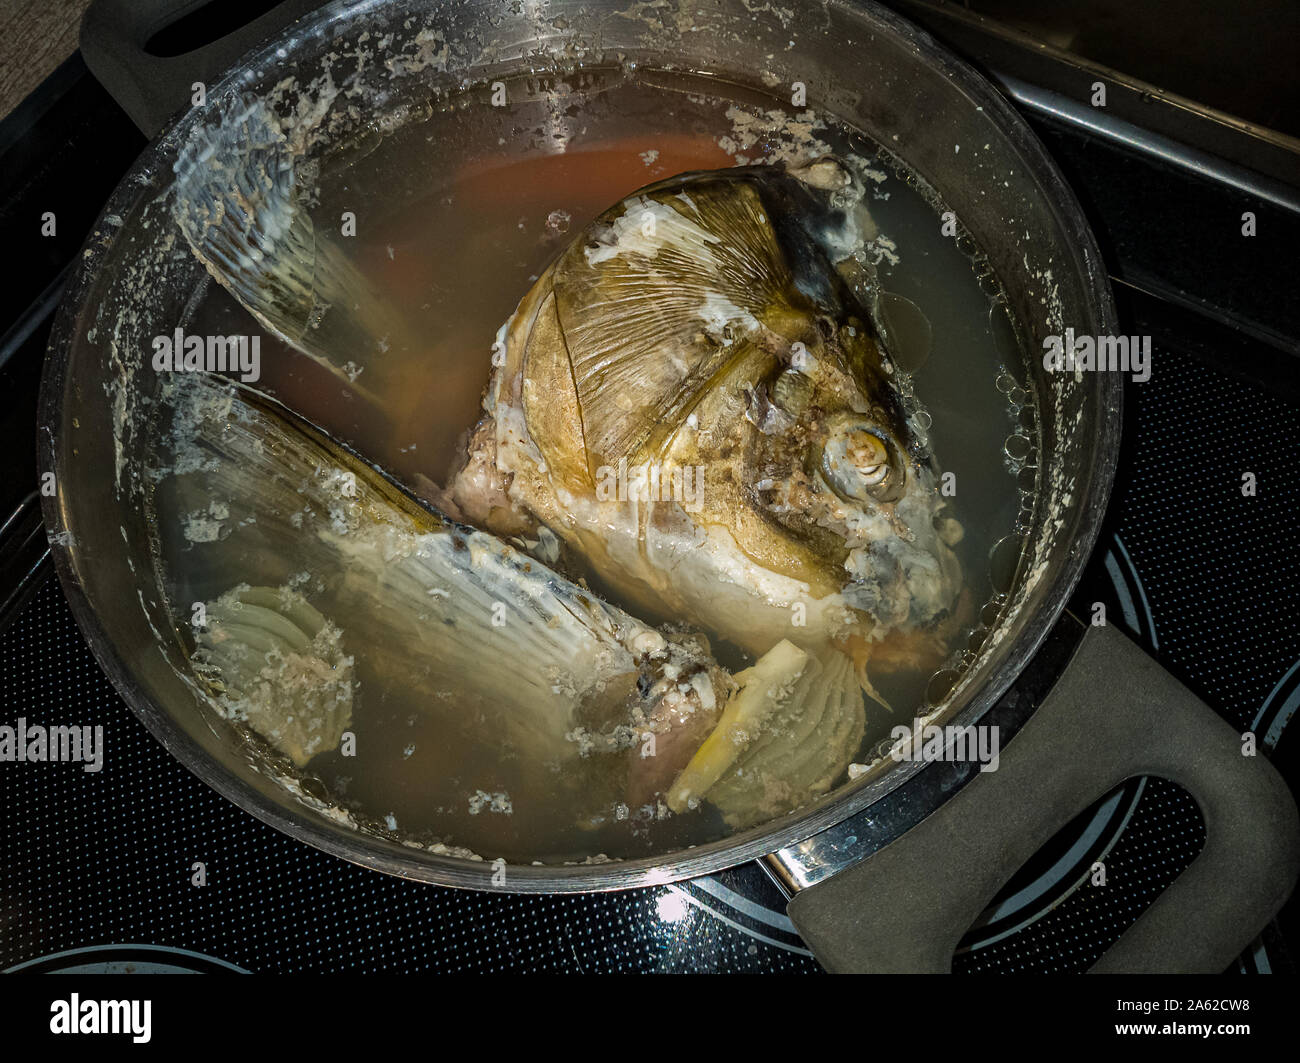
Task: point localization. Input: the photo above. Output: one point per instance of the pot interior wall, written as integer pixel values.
(331, 77)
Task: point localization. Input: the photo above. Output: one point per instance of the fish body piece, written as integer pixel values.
(511, 654)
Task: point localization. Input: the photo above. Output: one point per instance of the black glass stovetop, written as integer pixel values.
(95, 868)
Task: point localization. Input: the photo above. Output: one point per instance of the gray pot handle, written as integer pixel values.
(152, 88)
(1113, 714)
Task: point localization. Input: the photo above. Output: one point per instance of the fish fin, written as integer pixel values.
(550, 401)
(796, 751)
(238, 204)
(274, 663)
(653, 300)
(765, 687)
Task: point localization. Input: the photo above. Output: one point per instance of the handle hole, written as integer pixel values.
(1051, 917)
(203, 26)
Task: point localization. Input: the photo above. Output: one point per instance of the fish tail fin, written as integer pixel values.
(238, 203)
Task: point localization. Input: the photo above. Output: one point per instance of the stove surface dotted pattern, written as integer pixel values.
(1200, 574)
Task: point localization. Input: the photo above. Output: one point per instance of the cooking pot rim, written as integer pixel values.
(369, 851)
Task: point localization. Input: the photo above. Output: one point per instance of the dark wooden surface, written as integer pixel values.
(35, 37)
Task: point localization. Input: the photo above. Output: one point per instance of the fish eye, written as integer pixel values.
(826, 327)
(861, 463)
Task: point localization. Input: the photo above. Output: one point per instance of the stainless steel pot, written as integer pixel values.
(1097, 710)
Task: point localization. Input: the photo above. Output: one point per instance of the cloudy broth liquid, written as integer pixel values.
(457, 213)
